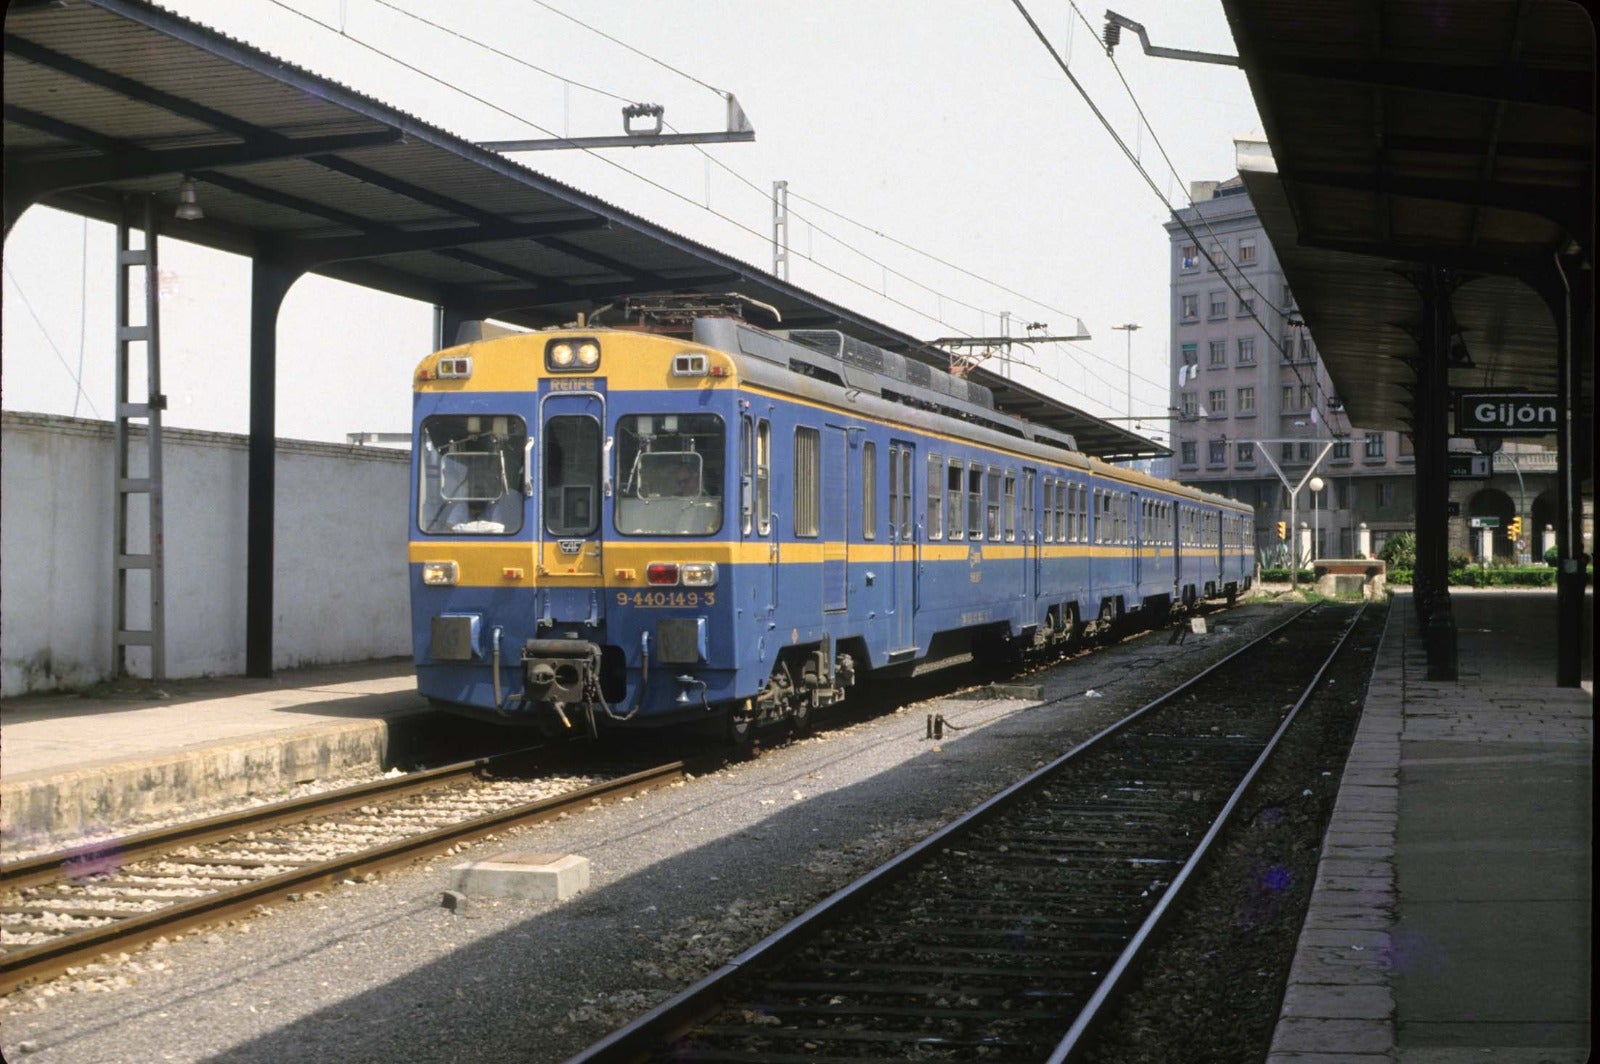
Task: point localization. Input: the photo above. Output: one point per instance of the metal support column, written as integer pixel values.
(780, 230)
(447, 323)
(1433, 473)
(269, 281)
(1575, 343)
(128, 556)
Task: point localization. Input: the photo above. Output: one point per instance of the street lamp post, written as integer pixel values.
(1130, 329)
(1316, 485)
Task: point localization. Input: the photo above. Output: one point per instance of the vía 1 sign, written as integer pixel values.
(1506, 414)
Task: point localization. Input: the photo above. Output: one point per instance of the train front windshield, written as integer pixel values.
(670, 469)
(472, 478)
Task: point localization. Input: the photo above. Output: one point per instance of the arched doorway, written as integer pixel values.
(1492, 502)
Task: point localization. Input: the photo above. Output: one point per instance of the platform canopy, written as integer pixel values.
(107, 97)
(1411, 134)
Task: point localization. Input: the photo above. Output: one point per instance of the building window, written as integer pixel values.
(1187, 404)
(1374, 447)
(1305, 452)
(1188, 354)
(1218, 350)
(1216, 255)
(1247, 400)
(1190, 257)
(1247, 350)
(1404, 448)
(1341, 451)
(1217, 452)
(1247, 454)
(1386, 493)
(1217, 400)
(1247, 251)
(1191, 307)
(1186, 451)
(1288, 397)
(1286, 352)
(1305, 348)
(1305, 397)
(1288, 300)
(1219, 304)
(1286, 452)
(1247, 306)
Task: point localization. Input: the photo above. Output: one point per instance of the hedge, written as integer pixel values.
(1506, 576)
(1281, 576)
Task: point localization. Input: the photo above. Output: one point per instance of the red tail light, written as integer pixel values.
(663, 573)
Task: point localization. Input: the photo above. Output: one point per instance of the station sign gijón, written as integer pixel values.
(1506, 414)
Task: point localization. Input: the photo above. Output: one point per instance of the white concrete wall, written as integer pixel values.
(340, 586)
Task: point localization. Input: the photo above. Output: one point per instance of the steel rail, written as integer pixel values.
(677, 1015)
(51, 958)
(1074, 1041)
(112, 853)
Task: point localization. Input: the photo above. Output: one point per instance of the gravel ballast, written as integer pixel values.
(682, 879)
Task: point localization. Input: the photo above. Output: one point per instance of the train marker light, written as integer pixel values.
(589, 354)
(455, 368)
(439, 574)
(699, 574)
(661, 574)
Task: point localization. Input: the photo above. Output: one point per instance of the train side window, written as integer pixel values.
(763, 476)
(747, 494)
(975, 502)
(905, 495)
(1009, 505)
(807, 481)
(954, 499)
(1049, 529)
(1028, 477)
(991, 513)
(1061, 511)
(1071, 526)
(935, 497)
(869, 490)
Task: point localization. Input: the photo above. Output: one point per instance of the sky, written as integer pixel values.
(943, 172)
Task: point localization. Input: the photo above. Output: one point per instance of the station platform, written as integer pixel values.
(1451, 916)
(73, 766)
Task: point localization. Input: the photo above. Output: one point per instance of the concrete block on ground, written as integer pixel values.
(523, 874)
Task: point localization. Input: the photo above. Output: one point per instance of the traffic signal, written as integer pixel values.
(1514, 529)
(1283, 530)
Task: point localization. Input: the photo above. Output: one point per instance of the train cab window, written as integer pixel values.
(763, 476)
(975, 502)
(807, 482)
(670, 471)
(955, 499)
(1009, 506)
(571, 482)
(471, 479)
(935, 497)
(869, 491)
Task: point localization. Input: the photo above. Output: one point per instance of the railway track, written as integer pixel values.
(1002, 936)
(62, 909)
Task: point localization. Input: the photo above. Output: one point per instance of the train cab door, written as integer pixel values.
(902, 549)
(571, 481)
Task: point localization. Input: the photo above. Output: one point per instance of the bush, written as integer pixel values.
(1281, 576)
(1400, 551)
(1398, 576)
(1460, 559)
(1552, 557)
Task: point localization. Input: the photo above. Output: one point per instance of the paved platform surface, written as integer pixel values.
(1450, 920)
(73, 765)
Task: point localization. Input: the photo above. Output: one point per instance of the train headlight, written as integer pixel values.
(439, 574)
(572, 356)
(698, 574)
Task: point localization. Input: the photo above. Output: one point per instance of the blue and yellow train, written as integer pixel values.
(626, 526)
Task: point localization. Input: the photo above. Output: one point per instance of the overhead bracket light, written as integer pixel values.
(188, 201)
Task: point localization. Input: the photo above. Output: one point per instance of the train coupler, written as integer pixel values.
(558, 674)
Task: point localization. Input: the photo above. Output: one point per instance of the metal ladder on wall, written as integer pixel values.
(128, 558)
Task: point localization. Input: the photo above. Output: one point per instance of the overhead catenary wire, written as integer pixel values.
(77, 380)
(1150, 181)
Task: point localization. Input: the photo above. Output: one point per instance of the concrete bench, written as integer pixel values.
(1350, 577)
